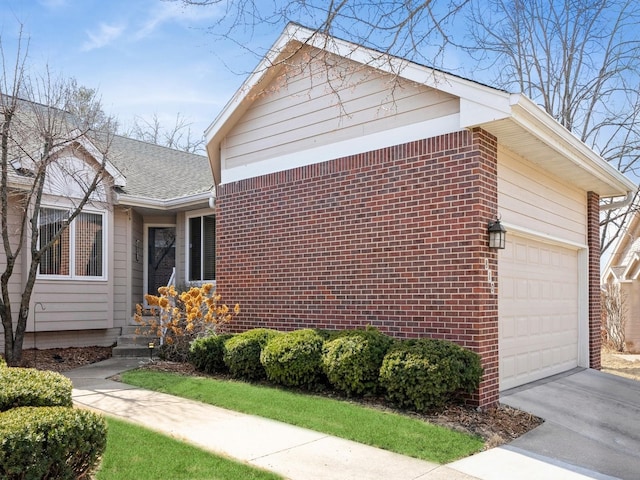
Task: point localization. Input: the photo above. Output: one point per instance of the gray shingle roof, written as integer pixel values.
(157, 172)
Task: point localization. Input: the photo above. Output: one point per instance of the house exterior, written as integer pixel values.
(355, 189)
(623, 268)
(153, 213)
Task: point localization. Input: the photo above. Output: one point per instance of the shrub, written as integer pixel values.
(60, 443)
(352, 360)
(206, 354)
(179, 318)
(26, 387)
(423, 374)
(294, 359)
(3, 362)
(242, 353)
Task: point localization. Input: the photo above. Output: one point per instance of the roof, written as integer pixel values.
(143, 174)
(157, 173)
(519, 124)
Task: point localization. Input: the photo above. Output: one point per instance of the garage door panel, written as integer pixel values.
(538, 310)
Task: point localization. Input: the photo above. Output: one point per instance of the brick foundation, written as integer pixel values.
(394, 238)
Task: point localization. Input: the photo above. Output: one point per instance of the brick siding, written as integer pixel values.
(394, 238)
(595, 305)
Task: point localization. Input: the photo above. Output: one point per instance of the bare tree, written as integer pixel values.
(38, 138)
(412, 29)
(581, 62)
(614, 311)
(178, 137)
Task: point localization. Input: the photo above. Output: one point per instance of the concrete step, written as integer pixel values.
(135, 339)
(131, 329)
(137, 351)
(132, 344)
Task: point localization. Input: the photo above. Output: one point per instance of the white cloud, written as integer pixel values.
(164, 12)
(104, 36)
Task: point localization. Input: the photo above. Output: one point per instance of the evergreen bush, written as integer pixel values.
(242, 353)
(53, 443)
(206, 354)
(294, 359)
(352, 360)
(26, 387)
(424, 374)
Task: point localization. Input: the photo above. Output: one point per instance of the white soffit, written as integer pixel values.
(533, 134)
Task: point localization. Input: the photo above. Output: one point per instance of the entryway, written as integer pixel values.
(160, 254)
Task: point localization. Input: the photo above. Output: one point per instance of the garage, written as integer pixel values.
(538, 310)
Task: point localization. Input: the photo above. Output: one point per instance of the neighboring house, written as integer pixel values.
(356, 189)
(623, 267)
(155, 212)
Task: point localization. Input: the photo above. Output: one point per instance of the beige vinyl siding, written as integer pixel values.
(631, 292)
(533, 199)
(15, 283)
(137, 261)
(73, 305)
(73, 338)
(303, 111)
(121, 269)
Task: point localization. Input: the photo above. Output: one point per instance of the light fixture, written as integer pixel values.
(151, 347)
(497, 235)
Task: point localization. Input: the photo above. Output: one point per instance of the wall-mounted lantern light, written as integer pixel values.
(497, 235)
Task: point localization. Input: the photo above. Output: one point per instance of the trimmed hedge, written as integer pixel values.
(426, 373)
(206, 354)
(3, 362)
(26, 387)
(352, 360)
(57, 443)
(242, 353)
(294, 359)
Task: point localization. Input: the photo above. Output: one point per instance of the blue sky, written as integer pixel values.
(144, 57)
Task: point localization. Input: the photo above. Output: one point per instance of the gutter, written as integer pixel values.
(620, 203)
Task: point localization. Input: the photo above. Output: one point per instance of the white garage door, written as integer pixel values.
(538, 310)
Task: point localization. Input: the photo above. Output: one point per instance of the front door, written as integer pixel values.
(161, 257)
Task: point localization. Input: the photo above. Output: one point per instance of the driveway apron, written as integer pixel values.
(592, 421)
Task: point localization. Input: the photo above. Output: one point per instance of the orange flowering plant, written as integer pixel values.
(187, 315)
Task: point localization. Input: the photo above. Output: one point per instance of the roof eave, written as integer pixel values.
(178, 203)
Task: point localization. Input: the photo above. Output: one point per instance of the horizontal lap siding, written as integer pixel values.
(308, 110)
(15, 283)
(533, 199)
(121, 263)
(394, 238)
(72, 305)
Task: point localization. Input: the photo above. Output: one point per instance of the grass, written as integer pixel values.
(136, 452)
(391, 431)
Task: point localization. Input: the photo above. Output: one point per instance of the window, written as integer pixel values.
(79, 251)
(202, 248)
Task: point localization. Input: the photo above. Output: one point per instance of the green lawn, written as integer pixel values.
(390, 431)
(138, 453)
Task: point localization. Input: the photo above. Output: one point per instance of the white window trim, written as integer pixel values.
(72, 248)
(187, 264)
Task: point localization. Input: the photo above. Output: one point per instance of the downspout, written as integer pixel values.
(619, 204)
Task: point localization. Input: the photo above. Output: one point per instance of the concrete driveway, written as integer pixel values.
(592, 422)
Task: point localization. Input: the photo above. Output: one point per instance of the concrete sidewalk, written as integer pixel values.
(290, 451)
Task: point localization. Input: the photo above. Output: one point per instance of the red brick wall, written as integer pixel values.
(595, 306)
(394, 238)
